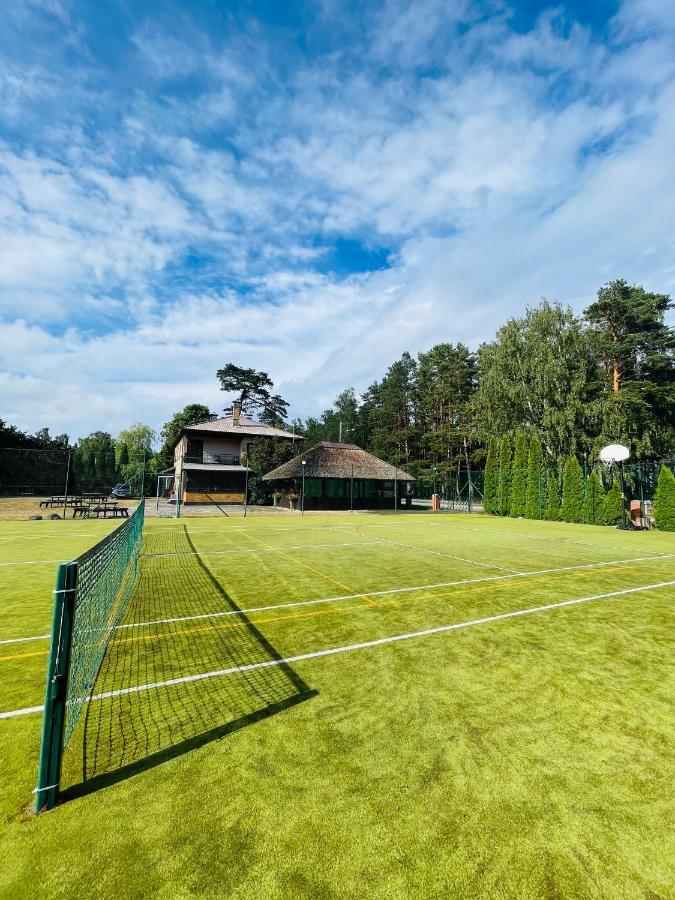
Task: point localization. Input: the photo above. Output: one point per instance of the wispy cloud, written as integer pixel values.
(175, 196)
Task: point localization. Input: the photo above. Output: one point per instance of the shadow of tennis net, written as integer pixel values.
(128, 732)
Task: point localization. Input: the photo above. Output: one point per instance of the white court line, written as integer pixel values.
(403, 590)
(473, 562)
(388, 592)
(347, 648)
(32, 562)
(204, 553)
(38, 637)
(365, 521)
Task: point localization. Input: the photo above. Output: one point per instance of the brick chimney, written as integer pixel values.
(236, 412)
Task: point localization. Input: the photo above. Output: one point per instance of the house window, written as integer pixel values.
(195, 450)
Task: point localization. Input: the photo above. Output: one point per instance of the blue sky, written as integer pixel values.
(311, 188)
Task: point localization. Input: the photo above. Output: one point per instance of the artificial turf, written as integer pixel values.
(522, 757)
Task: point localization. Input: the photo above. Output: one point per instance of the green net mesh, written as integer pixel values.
(106, 576)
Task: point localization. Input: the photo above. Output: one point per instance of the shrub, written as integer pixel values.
(613, 504)
(552, 512)
(534, 505)
(664, 500)
(595, 500)
(572, 507)
(504, 476)
(491, 483)
(519, 477)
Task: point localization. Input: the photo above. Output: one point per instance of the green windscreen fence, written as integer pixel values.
(91, 595)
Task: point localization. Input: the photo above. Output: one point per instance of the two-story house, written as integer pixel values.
(210, 457)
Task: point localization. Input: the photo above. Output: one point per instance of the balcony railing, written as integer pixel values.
(215, 459)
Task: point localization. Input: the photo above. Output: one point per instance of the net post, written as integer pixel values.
(51, 745)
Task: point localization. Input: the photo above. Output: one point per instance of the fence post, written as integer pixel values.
(51, 746)
(143, 477)
(65, 493)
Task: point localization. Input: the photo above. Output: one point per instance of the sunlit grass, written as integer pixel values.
(522, 757)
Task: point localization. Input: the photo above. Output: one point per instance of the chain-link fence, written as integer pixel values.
(606, 490)
(58, 482)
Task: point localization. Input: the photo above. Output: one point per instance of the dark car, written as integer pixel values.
(121, 491)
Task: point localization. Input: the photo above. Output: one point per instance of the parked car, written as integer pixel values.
(121, 491)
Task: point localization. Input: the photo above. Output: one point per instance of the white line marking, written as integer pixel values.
(433, 552)
(204, 553)
(38, 637)
(403, 590)
(21, 712)
(31, 562)
(347, 648)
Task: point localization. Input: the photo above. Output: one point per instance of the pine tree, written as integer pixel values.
(572, 507)
(519, 477)
(613, 503)
(504, 476)
(595, 500)
(491, 482)
(664, 500)
(552, 498)
(535, 483)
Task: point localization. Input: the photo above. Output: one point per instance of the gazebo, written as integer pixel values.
(339, 476)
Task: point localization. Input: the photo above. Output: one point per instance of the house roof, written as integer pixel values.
(226, 426)
(331, 460)
(214, 467)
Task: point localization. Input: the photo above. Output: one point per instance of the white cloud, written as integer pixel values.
(539, 166)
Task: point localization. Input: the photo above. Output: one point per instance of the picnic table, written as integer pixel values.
(105, 510)
(62, 501)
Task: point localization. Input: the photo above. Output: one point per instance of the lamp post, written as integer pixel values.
(302, 499)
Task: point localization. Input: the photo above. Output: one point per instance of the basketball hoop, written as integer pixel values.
(614, 453)
(610, 456)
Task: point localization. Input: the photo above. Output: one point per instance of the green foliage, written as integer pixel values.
(539, 373)
(552, 513)
(138, 439)
(613, 504)
(123, 459)
(572, 506)
(192, 414)
(266, 454)
(491, 480)
(595, 500)
(254, 389)
(664, 500)
(504, 492)
(635, 347)
(536, 482)
(518, 500)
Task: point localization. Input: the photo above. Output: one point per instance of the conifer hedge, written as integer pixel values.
(613, 503)
(534, 505)
(491, 478)
(664, 500)
(504, 476)
(552, 512)
(595, 500)
(572, 506)
(518, 501)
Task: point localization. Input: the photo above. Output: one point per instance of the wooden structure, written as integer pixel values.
(210, 457)
(340, 476)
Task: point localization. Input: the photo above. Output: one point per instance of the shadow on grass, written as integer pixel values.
(130, 733)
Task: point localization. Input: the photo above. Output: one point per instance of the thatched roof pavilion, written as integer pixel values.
(339, 476)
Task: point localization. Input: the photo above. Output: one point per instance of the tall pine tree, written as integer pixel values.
(664, 500)
(572, 506)
(491, 482)
(504, 476)
(535, 481)
(552, 497)
(518, 500)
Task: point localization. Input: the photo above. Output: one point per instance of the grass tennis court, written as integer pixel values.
(295, 735)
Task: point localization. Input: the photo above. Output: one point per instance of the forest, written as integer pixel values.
(561, 383)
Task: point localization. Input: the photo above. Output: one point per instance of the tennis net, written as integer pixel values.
(91, 595)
